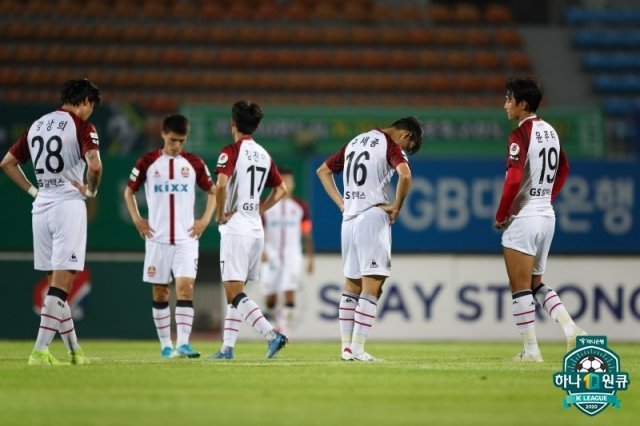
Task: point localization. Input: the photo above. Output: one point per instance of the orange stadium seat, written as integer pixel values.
(254, 57)
(457, 59)
(486, 59)
(440, 13)
(498, 14)
(509, 37)
(518, 60)
(477, 37)
(466, 13)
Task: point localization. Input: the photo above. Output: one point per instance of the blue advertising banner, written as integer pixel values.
(452, 204)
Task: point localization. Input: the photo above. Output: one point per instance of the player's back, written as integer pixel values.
(539, 140)
(250, 168)
(56, 143)
(283, 225)
(367, 172)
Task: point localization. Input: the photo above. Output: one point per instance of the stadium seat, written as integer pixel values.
(498, 14)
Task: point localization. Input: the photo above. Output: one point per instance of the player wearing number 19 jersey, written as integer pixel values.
(59, 144)
(536, 170)
(244, 169)
(367, 164)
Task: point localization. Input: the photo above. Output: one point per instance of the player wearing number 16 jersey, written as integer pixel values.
(244, 169)
(59, 144)
(368, 163)
(536, 170)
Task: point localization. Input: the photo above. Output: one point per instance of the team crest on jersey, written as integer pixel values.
(514, 151)
(156, 173)
(185, 172)
(222, 160)
(151, 271)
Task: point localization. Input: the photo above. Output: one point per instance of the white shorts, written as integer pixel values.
(161, 260)
(60, 236)
(240, 257)
(276, 277)
(531, 235)
(366, 244)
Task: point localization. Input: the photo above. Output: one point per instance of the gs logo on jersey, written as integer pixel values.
(514, 151)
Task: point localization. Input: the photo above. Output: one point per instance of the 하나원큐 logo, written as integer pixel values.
(591, 376)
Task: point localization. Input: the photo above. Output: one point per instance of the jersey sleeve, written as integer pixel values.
(203, 177)
(395, 154)
(306, 225)
(88, 138)
(516, 157)
(336, 161)
(273, 178)
(227, 160)
(139, 173)
(20, 149)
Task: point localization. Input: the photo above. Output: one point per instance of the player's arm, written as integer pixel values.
(142, 225)
(329, 184)
(509, 191)
(307, 242)
(221, 199)
(561, 175)
(402, 189)
(274, 196)
(201, 224)
(11, 167)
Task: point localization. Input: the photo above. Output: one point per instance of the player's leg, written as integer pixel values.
(519, 267)
(157, 271)
(269, 278)
(373, 237)
(546, 297)
(286, 317)
(352, 289)
(69, 249)
(289, 284)
(232, 323)
(185, 267)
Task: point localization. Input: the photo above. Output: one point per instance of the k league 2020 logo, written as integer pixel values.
(591, 376)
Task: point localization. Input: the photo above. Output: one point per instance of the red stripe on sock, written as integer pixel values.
(232, 319)
(523, 313)
(50, 316)
(160, 328)
(232, 329)
(361, 323)
(161, 318)
(67, 332)
(548, 298)
(554, 306)
(254, 323)
(366, 315)
(347, 309)
(524, 323)
(184, 323)
(184, 315)
(47, 328)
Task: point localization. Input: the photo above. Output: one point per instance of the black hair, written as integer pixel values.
(176, 123)
(247, 116)
(74, 92)
(524, 89)
(412, 124)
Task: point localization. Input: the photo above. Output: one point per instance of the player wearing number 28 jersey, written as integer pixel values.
(367, 164)
(537, 168)
(60, 145)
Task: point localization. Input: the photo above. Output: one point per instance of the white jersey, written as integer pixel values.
(170, 188)
(284, 225)
(250, 169)
(56, 143)
(534, 148)
(369, 162)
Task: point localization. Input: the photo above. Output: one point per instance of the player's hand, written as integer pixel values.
(501, 225)
(310, 266)
(198, 228)
(392, 210)
(225, 217)
(145, 231)
(84, 189)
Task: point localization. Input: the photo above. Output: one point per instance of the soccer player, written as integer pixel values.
(368, 163)
(170, 176)
(287, 226)
(59, 144)
(244, 169)
(537, 167)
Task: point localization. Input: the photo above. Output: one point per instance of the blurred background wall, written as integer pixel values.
(324, 71)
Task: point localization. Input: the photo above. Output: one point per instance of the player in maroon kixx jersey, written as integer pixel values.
(537, 167)
(171, 177)
(59, 144)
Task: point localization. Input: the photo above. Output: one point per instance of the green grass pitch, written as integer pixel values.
(426, 383)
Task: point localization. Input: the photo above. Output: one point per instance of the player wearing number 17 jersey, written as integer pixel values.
(537, 167)
(59, 145)
(244, 169)
(368, 163)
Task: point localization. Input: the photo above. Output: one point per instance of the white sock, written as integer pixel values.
(524, 315)
(346, 312)
(50, 316)
(252, 314)
(285, 319)
(67, 329)
(184, 321)
(553, 306)
(232, 323)
(365, 315)
(162, 320)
